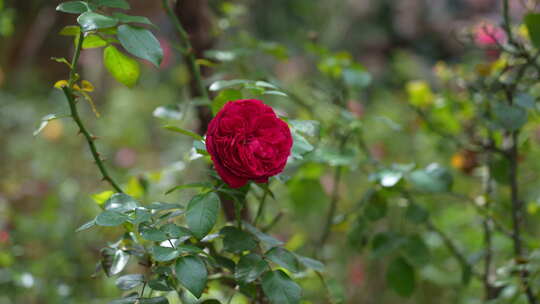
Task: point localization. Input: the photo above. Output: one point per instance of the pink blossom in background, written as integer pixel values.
(125, 158)
(167, 53)
(486, 34)
(356, 108)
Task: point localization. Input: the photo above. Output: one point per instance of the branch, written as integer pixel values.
(333, 207)
(70, 96)
(187, 50)
(489, 290)
(452, 247)
(512, 155)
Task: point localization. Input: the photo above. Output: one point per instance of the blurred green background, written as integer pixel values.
(47, 179)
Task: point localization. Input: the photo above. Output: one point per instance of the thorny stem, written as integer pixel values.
(187, 50)
(487, 223)
(448, 242)
(333, 207)
(452, 247)
(260, 211)
(273, 222)
(335, 196)
(90, 139)
(512, 156)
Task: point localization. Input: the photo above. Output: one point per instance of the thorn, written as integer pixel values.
(80, 132)
(103, 179)
(93, 137)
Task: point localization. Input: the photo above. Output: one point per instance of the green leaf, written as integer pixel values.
(307, 127)
(416, 214)
(140, 215)
(500, 169)
(277, 93)
(86, 226)
(204, 185)
(174, 231)
(153, 234)
(159, 206)
(310, 263)
(223, 97)
(301, 145)
(132, 19)
(357, 77)
(283, 258)
(111, 218)
(123, 4)
(121, 202)
(192, 274)
(433, 178)
(184, 131)
(358, 236)
(159, 284)
(263, 237)
(140, 42)
(123, 68)
(400, 277)
(250, 267)
(188, 248)
(202, 213)
(225, 84)
(154, 300)
(119, 262)
(526, 101)
(132, 299)
(385, 243)
(376, 207)
(164, 254)
(280, 289)
(532, 21)
(93, 41)
(509, 117)
(236, 240)
(168, 112)
(72, 7)
(70, 30)
(129, 281)
(416, 251)
(388, 177)
(91, 21)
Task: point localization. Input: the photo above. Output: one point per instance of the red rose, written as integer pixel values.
(247, 141)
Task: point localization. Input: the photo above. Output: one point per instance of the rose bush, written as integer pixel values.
(247, 141)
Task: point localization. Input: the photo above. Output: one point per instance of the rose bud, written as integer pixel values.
(247, 141)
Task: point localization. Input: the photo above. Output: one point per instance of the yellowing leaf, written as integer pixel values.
(134, 188)
(87, 86)
(91, 102)
(524, 31)
(205, 62)
(124, 69)
(297, 241)
(70, 30)
(101, 197)
(60, 84)
(61, 60)
(420, 94)
(155, 176)
(532, 208)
